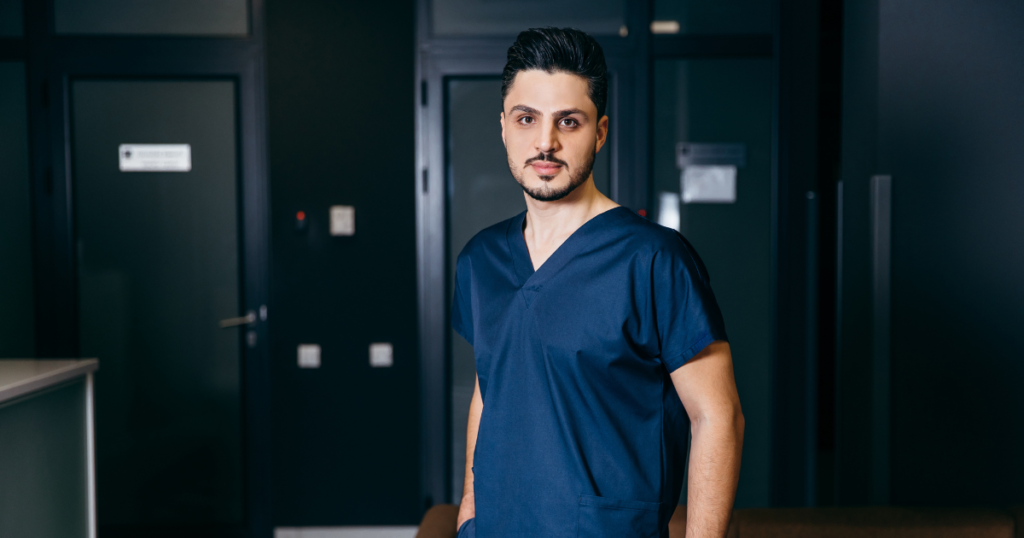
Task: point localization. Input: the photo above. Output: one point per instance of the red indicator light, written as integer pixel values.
(642, 212)
(301, 215)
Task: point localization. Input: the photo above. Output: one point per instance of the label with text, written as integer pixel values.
(155, 157)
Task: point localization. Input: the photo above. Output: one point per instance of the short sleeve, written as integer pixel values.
(687, 317)
(462, 313)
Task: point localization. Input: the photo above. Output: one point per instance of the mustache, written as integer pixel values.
(550, 157)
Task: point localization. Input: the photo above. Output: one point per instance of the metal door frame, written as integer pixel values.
(53, 62)
(439, 59)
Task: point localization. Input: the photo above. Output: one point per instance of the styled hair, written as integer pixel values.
(559, 50)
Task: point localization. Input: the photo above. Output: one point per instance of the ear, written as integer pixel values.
(502, 120)
(602, 132)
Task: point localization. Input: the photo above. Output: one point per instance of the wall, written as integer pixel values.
(932, 97)
(16, 301)
(853, 392)
(341, 108)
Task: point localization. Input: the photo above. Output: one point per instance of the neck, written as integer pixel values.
(551, 220)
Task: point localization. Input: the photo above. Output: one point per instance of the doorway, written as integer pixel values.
(150, 252)
(481, 192)
(158, 267)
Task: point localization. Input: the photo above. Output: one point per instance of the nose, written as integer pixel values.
(548, 142)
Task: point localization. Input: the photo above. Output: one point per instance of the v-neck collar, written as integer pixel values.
(529, 279)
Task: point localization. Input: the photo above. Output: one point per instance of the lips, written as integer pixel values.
(544, 168)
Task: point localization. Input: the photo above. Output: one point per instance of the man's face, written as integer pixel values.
(551, 133)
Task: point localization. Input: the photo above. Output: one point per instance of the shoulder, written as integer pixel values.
(659, 244)
(490, 239)
(651, 237)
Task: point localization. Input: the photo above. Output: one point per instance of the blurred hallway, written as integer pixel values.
(248, 212)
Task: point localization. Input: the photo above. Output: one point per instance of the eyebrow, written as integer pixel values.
(528, 110)
(559, 114)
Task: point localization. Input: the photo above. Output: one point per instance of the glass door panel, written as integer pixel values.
(714, 103)
(158, 268)
(11, 19)
(481, 192)
(152, 17)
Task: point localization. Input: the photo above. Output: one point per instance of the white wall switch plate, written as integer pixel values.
(309, 356)
(343, 220)
(382, 355)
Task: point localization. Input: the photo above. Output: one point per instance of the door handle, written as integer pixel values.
(247, 319)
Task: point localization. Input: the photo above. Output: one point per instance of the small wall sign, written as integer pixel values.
(155, 157)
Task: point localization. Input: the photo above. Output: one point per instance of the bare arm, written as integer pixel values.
(707, 388)
(467, 509)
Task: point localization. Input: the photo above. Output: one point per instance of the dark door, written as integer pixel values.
(481, 192)
(728, 100)
(468, 188)
(159, 258)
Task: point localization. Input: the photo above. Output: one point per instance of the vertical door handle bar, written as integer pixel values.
(881, 247)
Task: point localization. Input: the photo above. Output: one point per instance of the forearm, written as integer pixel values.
(714, 472)
(467, 508)
(468, 504)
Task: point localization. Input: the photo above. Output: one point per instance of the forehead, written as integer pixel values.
(549, 91)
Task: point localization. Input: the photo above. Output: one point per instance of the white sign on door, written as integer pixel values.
(709, 184)
(155, 157)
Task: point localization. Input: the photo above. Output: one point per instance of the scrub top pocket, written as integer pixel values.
(605, 517)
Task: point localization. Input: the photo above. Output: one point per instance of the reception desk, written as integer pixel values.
(47, 477)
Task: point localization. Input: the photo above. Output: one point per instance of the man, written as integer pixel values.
(598, 341)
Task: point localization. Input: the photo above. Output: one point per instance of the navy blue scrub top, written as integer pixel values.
(583, 434)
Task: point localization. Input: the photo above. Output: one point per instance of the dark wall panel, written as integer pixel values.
(793, 464)
(951, 122)
(17, 305)
(933, 98)
(341, 112)
(859, 145)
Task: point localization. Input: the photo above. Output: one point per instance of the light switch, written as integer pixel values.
(381, 355)
(343, 220)
(309, 356)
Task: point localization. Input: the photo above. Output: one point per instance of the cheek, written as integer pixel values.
(581, 151)
(516, 146)
(581, 143)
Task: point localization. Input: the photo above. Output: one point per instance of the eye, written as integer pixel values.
(569, 122)
(525, 120)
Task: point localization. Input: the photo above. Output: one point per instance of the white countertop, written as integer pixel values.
(19, 377)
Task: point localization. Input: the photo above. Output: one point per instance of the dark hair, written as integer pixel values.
(554, 50)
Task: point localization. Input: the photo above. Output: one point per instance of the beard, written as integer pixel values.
(547, 193)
